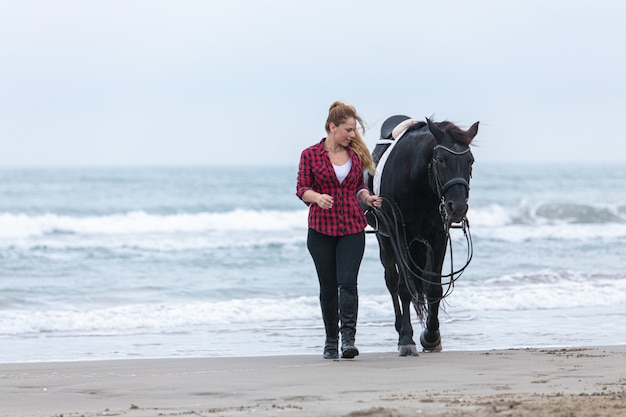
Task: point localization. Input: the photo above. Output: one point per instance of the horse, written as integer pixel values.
(423, 171)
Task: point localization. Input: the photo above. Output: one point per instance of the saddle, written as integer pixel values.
(386, 129)
(392, 130)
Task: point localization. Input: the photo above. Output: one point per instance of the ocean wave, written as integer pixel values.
(548, 221)
(51, 246)
(516, 222)
(542, 214)
(541, 290)
(139, 222)
(155, 317)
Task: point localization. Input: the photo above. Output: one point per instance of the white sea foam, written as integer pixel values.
(546, 290)
(541, 290)
(158, 243)
(132, 318)
(513, 223)
(548, 221)
(139, 222)
(543, 213)
(581, 232)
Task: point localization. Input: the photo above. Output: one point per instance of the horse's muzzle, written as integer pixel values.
(454, 211)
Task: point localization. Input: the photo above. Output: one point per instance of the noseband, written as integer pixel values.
(434, 173)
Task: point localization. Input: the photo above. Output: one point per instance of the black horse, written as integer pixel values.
(425, 189)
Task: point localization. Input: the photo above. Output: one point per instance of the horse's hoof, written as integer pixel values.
(430, 346)
(407, 350)
(433, 349)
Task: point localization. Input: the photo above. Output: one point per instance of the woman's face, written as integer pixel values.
(345, 132)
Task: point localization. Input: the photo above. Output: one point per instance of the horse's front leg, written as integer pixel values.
(391, 279)
(388, 260)
(406, 345)
(430, 339)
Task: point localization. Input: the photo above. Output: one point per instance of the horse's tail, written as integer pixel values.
(415, 288)
(421, 307)
(419, 297)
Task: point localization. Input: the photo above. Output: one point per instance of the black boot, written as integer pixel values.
(348, 308)
(330, 315)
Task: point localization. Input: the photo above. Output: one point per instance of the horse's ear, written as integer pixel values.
(437, 133)
(473, 130)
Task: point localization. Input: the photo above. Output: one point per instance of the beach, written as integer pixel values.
(586, 381)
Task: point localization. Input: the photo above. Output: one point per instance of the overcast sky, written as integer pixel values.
(181, 82)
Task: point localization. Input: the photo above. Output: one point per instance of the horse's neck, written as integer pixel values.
(413, 156)
(418, 152)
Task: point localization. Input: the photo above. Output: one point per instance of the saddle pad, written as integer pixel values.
(397, 134)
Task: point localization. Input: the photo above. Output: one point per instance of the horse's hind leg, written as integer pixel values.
(406, 345)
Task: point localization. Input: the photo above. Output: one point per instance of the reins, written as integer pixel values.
(393, 222)
(396, 227)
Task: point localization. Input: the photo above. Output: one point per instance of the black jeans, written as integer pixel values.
(337, 260)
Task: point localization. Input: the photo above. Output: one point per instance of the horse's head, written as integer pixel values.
(450, 168)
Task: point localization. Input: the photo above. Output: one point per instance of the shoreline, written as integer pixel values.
(522, 382)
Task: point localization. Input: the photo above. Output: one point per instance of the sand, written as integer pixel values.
(589, 381)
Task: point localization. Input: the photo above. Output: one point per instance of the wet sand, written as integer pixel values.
(588, 381)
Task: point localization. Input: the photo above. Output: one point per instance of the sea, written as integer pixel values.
(178, 262)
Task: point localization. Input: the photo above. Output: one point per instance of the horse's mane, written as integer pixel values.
(458, 134)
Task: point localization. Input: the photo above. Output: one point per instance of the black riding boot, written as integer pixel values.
(330, 315)
(348, 308)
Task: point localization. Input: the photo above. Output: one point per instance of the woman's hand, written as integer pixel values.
(373, 201)
(324, 201)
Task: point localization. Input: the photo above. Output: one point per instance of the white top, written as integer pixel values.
(342, 171)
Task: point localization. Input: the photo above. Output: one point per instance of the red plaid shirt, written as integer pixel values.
(316, 173)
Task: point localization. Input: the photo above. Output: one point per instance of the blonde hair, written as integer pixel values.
(338, 113)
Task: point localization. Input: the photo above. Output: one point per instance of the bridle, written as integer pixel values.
(441, 189)
(433, 173)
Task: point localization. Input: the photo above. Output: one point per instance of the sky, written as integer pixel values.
(229, 82)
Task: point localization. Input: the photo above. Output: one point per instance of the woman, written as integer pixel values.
(330, 182)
